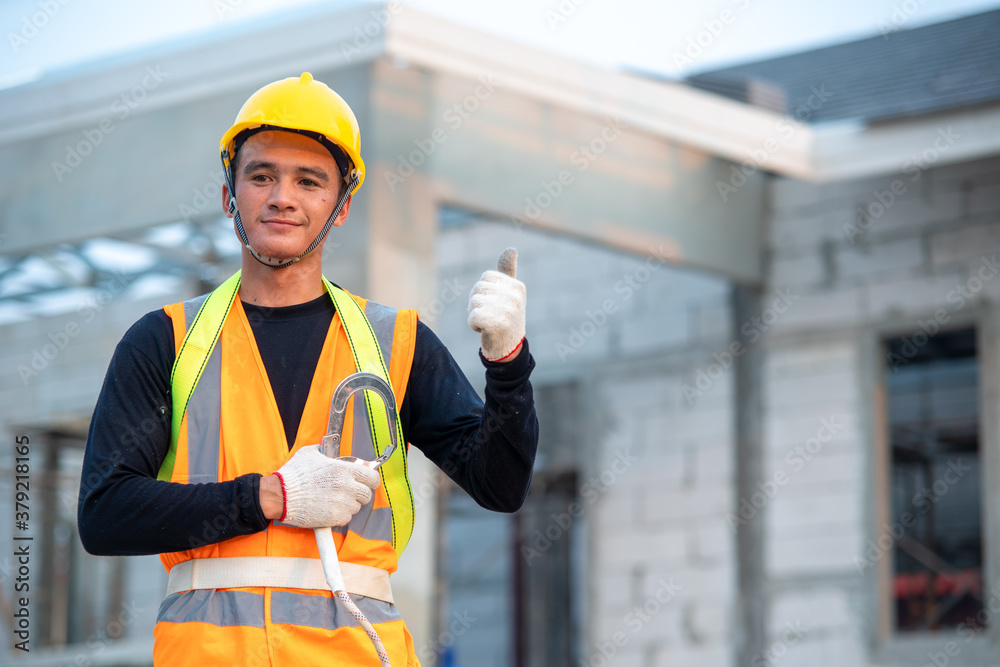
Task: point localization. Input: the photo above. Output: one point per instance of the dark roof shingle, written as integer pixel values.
(902, 73)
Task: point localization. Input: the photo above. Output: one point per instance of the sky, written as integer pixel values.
(667, 37)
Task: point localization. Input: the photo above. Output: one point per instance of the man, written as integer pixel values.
(203, 443)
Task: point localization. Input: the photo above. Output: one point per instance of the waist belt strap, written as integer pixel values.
(275, 572)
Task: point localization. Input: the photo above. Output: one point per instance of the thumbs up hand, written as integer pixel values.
(496, 309)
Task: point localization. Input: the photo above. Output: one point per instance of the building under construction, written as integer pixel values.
(762, 302)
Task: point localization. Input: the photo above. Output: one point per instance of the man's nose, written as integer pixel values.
(282, 195)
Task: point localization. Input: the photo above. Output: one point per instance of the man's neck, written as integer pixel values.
(264, 286)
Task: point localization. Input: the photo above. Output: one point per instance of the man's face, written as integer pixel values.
(287, 186)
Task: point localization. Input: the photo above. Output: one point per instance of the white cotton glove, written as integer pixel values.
(496, 308)
(321, 491)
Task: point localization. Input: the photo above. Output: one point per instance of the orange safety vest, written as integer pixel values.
(232, 427)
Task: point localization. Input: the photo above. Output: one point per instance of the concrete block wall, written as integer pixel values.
(480, 613)
(52, 368)
(865, 259)
(660, 581)
(51, 372)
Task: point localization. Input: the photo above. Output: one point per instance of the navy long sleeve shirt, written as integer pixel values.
(486, 448)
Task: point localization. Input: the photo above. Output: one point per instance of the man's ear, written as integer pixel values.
(342, 216)
(228, 203)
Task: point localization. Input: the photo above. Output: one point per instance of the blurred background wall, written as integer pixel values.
(761, 301)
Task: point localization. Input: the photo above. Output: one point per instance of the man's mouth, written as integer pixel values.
(280, 222)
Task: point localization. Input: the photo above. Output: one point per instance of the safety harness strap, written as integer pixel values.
(275, 572)
(368, 358)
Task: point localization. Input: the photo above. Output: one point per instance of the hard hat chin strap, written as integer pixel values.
(281, 262)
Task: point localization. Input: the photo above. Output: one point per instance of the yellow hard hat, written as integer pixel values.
(301, 105)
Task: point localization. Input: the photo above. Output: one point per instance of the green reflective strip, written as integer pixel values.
(199, 341)
(370, 523)
(368, 358)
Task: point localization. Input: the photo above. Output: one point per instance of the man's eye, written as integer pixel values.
(309, 183)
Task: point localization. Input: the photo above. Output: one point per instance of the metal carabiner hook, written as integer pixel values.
(330, 444)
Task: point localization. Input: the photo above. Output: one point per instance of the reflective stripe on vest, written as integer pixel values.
(196, 394)
(222, 608)
(236, 608)
(203, 418)
(375, 359)
(203, 329)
